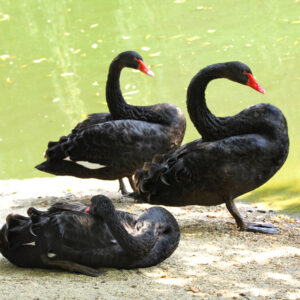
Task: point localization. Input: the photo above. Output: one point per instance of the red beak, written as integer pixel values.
(88, 210)
(144, 69)
(254, 84)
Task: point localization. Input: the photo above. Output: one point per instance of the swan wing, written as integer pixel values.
(92, 119)
(234, 159)
(126, 141)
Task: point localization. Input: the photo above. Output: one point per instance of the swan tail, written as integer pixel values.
(55, 152)
(58, 150)
(151, 180)
(16, 232)
(55, 143)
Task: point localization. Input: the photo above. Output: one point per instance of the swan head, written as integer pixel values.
(241, 73)
(100, 206)
(131, 59)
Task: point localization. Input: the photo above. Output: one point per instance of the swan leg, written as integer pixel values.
(124, 190)
(132, 183)
(235, 213)
(251, 227)
(122, 187)
(71, 266)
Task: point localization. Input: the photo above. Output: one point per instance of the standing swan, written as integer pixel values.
(122, 140)
(236, 154)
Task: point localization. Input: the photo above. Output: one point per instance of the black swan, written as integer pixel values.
(68, 237)
(122, 140)
(236, 154)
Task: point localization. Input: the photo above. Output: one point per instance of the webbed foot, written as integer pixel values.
(252, 227)
(261, 228)
(137, 197)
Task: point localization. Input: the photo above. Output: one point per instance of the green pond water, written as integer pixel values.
(54, 57)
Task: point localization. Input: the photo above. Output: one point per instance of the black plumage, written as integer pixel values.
(236, 154)
(68, 237)
(121, 140)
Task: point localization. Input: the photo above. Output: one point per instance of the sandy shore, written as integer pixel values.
(213, 260)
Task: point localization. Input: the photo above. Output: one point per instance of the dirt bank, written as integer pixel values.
(213, 260)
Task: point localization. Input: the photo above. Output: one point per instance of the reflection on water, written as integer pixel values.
(54, 58)
(65, 65)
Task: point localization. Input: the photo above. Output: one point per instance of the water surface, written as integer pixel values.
(54, 57)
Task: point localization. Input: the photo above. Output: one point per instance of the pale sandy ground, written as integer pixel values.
(213, 260)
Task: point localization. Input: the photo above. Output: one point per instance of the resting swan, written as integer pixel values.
(69, 238)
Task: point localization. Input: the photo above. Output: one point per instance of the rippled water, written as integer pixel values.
(54, 57)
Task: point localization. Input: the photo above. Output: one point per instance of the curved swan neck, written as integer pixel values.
(117, 105)
(115, 101)
(207, 124)
(134, 245)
